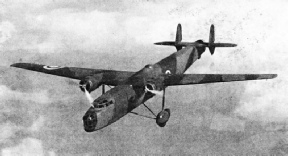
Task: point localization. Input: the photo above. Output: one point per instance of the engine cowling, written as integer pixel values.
(163, 117)
(153, 89)
(90, 83)
(150, 86)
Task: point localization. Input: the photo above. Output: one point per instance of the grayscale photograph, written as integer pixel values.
(143, 77)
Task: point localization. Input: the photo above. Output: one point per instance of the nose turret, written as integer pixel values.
(90, 120)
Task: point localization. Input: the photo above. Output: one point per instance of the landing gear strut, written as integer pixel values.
(103, 88)
(162, 117)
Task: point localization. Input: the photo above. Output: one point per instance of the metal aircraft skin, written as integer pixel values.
(134, 88)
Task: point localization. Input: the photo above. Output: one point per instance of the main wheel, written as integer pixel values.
(163, 117)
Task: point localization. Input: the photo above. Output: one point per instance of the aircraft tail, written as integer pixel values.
(199, 43)
(211, 40)
(178, 39)
(178, 33)
(212, 45)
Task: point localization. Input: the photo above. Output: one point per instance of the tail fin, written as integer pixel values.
(211, 39)
(178, 39)
(178, 33)
(212, 35)
(212, 45)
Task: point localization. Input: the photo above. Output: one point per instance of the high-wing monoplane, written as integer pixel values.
(133, 89)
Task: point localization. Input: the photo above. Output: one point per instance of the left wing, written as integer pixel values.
(111, 77)
(190, 79)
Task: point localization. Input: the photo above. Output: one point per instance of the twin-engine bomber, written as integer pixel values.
(131, 89)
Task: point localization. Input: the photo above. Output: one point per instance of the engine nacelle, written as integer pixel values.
(163, 117)
(153, 89)
(90, 83)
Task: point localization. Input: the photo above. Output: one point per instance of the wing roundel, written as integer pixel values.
(110, 77)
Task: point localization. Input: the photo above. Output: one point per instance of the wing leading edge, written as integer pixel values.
(111, 77)
(190, 79)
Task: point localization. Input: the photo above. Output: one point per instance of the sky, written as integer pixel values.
(42, 114)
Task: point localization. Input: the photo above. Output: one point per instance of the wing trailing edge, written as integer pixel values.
(190, 79)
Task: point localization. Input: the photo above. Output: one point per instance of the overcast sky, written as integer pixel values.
(42, 114)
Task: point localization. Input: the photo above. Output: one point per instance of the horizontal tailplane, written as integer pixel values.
(199, 43)
(168, 43)
(212, 45)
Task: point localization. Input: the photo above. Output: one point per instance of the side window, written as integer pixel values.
(110, 102)
(105, 103)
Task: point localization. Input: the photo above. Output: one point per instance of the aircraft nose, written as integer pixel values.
(90, 120)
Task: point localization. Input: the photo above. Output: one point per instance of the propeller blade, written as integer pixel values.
(89, 97)
(156, 92)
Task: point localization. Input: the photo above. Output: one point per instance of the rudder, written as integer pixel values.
(178, 38)
(178, 33)
(211, 40)
(212, 35)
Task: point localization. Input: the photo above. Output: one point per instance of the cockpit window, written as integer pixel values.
(149, 66)
(105, 103)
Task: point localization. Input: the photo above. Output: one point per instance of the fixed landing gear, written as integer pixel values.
(162, 117)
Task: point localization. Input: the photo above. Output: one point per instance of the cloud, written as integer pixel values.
(8, 130)
(37, 124)
(18, 113)
(38, 97)
(91, 31)
(265, 101)
(6, 30)
(102, 34)
(28, 146)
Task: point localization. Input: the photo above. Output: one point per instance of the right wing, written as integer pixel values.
(190, 79)
(111, 77)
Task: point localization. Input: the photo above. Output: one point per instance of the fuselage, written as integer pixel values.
(122, 99)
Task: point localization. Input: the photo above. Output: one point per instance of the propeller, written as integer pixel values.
(89, 97)
(156, 92)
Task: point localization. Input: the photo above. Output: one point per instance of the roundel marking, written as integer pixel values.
(168, 72)
(52, 67)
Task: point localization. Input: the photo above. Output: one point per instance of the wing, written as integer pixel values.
(77, 73)
(189, 79)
